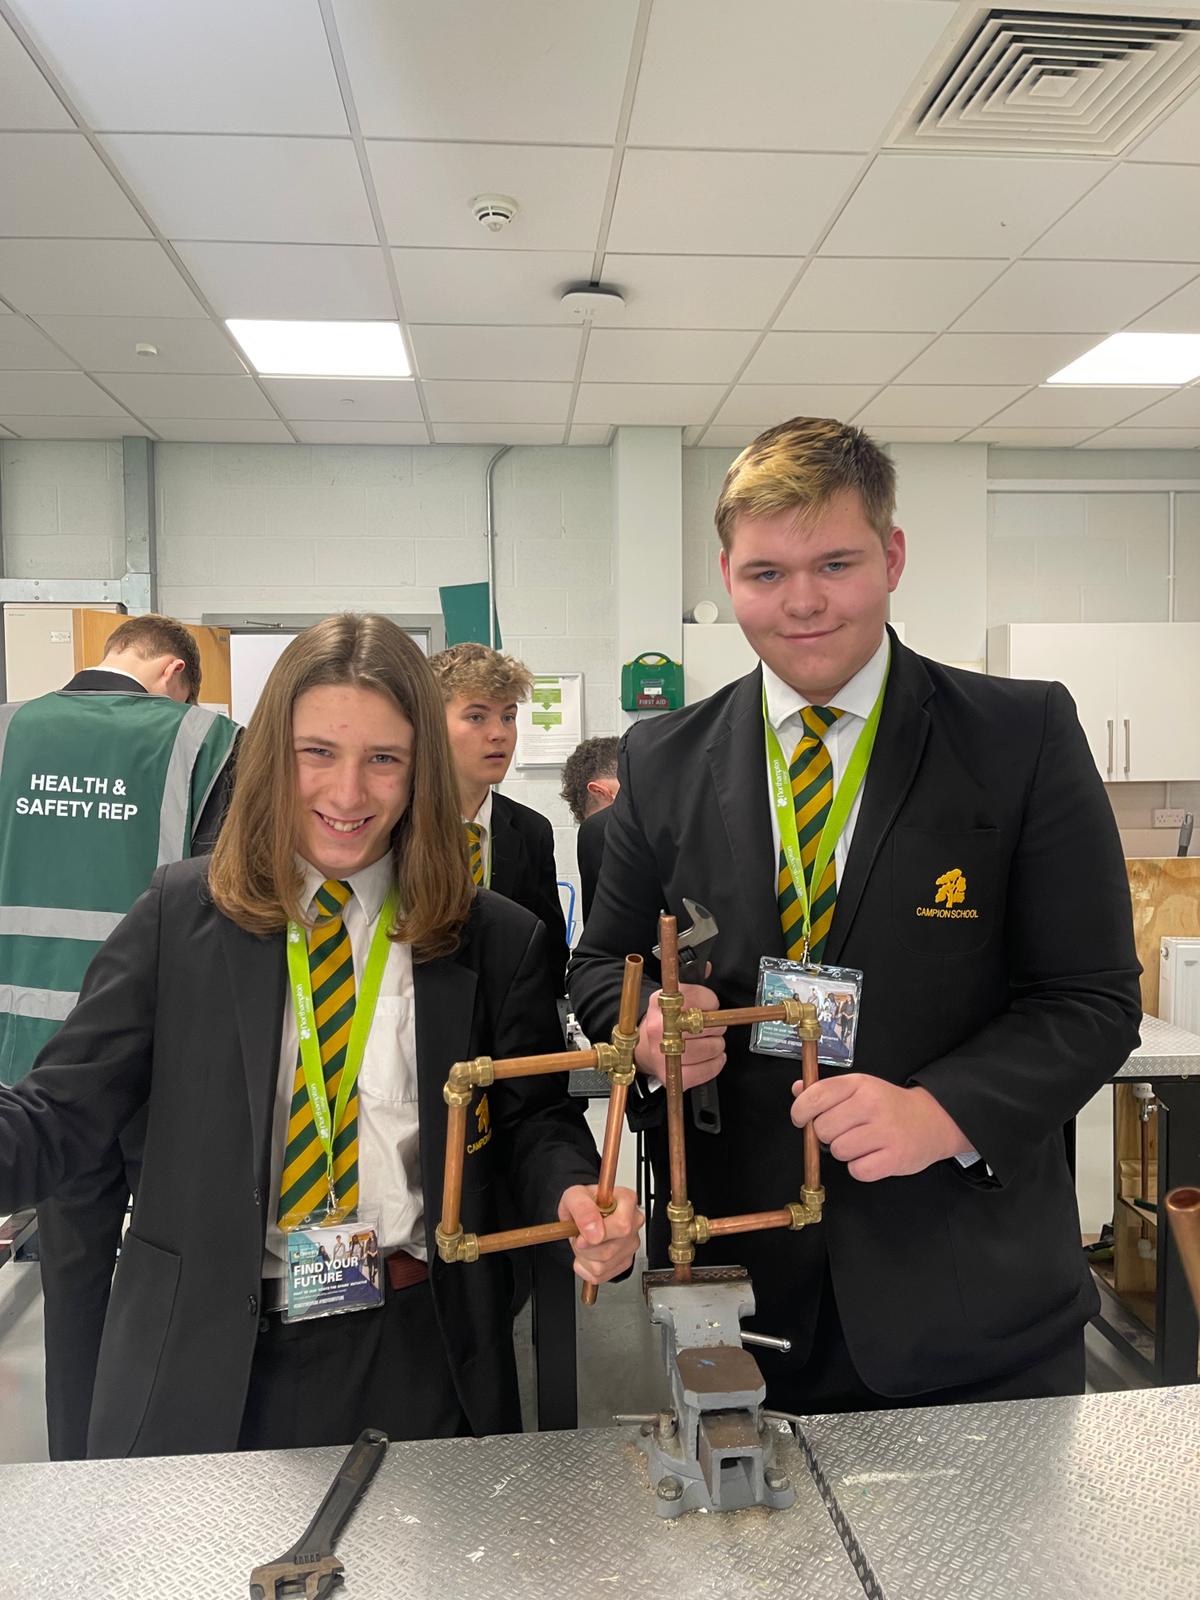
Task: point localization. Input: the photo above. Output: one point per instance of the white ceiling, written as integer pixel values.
(727, 168)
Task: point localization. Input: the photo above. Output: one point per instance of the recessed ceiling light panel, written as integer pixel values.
(322, 349)
(1161, 359)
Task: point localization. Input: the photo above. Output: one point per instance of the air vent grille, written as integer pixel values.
(1063, 82)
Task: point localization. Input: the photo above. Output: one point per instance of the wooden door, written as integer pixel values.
(91, 632)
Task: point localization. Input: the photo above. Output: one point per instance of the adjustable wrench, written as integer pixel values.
(694, 947)
(310, 1570)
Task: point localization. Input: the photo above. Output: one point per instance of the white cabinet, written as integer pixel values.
(1135, 684)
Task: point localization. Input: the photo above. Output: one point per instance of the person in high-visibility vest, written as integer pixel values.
(100, 783)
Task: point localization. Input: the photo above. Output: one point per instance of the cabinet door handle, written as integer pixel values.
(1112, 735)
(1126, 746)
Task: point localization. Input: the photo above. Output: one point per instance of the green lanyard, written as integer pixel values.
(839, 810)
(300, 976)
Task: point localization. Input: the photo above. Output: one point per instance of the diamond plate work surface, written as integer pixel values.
(1089, 1498)
(562, 1515)
(1165, 1052)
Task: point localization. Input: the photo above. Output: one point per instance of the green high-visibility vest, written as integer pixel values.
(96, 791)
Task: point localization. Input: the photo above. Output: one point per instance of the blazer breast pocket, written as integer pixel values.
(947, 889)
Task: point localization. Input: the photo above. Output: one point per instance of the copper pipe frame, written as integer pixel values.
(616, 1059)
(1183, 1210)
(682, 1249)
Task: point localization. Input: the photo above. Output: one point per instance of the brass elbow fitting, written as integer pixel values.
(457, 1246)
(808, 1027)
(807, 1209)
(467, 1076)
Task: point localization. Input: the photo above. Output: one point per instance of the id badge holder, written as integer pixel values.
(333, 1265)
(835, 991)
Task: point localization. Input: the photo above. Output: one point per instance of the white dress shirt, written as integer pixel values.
(389, 1164)
(856, 701)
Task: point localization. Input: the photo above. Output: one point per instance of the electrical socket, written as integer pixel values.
(1169, 819)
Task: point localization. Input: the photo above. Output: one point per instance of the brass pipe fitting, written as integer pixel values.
(671, 1006)
(808, 1208)
(458, 1246)
(607, 1059)
(624, 1044)
(681, 1250)
(467, 1076)
(698, 1230)
(691, 1020)
(807, 1025)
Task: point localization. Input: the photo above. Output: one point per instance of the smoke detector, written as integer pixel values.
(494, 211)
(588, 302)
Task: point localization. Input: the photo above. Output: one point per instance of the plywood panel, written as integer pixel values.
(1166, 900)
(92, 630)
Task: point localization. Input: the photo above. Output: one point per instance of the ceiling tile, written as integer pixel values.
(425, 193)
(1069, 407)
(497, 402)
(668, 405)
(26, 99)
(1145, 439)
(631, 355)
(54, 394)
(1070, 296)
(897, 435)
(210, 430)
(997, 357)
(227, 66)
(93, 277)
(825, 77)
(531, 70)
(54, 185)
(590, 433)
(694, 202)
(521, 354)
(1178, 313)
(857, 293)
(290, 280)
(833, 357)
(153, 394)
(482, 286)
(935, 406)
(24, 348)
(106, 344)
(764, 404)
(1028, 438)
(498, 433)
(667, 291)
(1136, 213)
(960, 205)
(728, 436)
(1178, 410)
(295, 191)
(1177, 136)
(340, 399)
(360, 432)
(114, 427)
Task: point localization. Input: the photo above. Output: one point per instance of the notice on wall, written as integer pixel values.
(550, 722)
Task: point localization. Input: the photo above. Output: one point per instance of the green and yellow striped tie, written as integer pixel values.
(811, 771)
(475, 851)
(305, 1186)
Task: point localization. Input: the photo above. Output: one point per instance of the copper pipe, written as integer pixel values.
(1183, 1209)
(812, 1145)
(608, 1167)
(518, 1238)
(631, 994)
(668, 944)
(456, 1149)
(750, 1223)
(527, 1066)
(741, 1014)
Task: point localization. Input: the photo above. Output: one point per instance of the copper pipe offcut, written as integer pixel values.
(1183, 1209)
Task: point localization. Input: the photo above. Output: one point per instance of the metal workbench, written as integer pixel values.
(1169, 1058)
(558, 1516)
(1094, 1498)
(1081, 1499)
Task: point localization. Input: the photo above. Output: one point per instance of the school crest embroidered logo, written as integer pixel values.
(951, 888)
(483, 1125)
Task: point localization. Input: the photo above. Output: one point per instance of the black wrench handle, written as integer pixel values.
(353, 1476)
